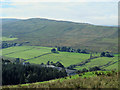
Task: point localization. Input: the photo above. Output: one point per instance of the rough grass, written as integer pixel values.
(98, 79)
(56, 33)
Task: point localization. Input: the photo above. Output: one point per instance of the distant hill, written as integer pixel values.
(7, 20)
(47, 32)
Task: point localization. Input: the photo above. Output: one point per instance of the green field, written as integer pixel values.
(8, 39)
(38, 55)
(65, 58)
(100, 62)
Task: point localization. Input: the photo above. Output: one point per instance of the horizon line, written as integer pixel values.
(55, 20)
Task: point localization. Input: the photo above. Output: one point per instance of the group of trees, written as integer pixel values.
(53, 50)
(57, 64)
(68, 49)
(6, 44)
(106, 54)
(95, 68)
(19, 73)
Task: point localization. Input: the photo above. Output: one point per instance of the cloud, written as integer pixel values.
(60, 0)
(96, 13)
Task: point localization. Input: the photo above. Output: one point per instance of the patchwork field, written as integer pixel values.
(103, 62)
(38, 55)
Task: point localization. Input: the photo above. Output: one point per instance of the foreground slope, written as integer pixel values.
(98, 79)
(46, 32)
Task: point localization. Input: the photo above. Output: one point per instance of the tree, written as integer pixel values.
(48, 63)
(42, 63)
(68, 49)
(84, 70)
(58, 49)
(91, 55)
(58, 64)
(84, 51)
(96, 68)
(64, 49)
(102, 54)
(53, 50)
(11, 36)
(78, 50)
(106, 54)
(109, 55)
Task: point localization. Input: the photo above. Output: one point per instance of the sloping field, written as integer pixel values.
(65, 58)
(38, 55)
(8, 39)
(104, 62)
(104, 79)
(25, 52)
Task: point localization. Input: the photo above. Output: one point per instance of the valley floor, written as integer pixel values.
(38, 55)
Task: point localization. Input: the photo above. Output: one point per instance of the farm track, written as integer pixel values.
(19, 51)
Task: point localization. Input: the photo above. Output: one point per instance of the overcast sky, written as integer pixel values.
(85, 11)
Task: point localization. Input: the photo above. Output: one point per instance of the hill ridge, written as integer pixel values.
(46, 32)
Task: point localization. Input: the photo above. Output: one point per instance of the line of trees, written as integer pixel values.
(6, 44)
(57, 64)
(95, 68)
(70, 49)
(106, 54)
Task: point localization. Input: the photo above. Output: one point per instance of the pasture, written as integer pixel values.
(38, 55)
(8, 39)
(104, 62)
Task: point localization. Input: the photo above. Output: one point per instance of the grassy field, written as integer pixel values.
(8, 39)
(101, 61)
(38, 55)
(64, 57)
(99, 79)
(25, 52)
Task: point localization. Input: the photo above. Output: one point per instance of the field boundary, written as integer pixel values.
(84, 62)
(39, 56)
(109, 63)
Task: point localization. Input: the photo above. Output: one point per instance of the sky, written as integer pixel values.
(104, 12)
